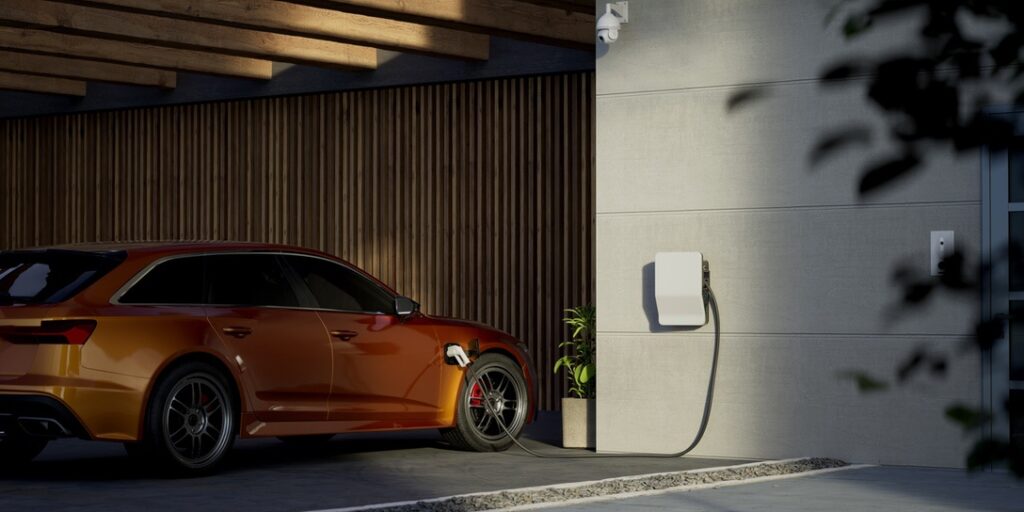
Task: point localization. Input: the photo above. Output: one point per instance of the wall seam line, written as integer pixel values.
(779, 335)
(749, 85)
(795, 208)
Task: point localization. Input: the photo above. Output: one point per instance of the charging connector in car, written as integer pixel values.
(455, 355)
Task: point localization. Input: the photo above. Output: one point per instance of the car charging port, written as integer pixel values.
(455, 355)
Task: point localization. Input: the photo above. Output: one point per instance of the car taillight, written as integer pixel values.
(61, 332)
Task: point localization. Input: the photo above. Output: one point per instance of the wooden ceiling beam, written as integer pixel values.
(41, 41)
(41, 84)
(307, 21)
(177, 33)
(581, 6)
(497, 17)
(81, 69)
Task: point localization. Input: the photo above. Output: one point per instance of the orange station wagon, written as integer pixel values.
(175, 349)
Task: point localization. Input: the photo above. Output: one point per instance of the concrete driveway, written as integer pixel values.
(875, 489)
(266, 475)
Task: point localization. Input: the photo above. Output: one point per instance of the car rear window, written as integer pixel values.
(177, 281)
(50, 276)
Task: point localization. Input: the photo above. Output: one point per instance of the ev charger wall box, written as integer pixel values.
(679, 288)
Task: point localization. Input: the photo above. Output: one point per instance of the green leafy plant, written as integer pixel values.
(578, 361)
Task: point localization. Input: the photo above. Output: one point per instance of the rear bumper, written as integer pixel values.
(51, 379)
(38, 416)
(89, 410)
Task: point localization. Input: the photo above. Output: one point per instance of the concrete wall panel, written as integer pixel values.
(801, 271)
(780, 396)
(685, 151)
(671, 44)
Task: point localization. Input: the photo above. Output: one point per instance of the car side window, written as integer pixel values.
(337, 287)
(177, 281)
(249, 280)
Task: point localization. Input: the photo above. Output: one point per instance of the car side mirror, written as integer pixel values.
(404, 306)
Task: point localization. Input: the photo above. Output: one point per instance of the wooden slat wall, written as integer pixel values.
(477, 199)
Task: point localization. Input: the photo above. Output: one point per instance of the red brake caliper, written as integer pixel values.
(476, 396)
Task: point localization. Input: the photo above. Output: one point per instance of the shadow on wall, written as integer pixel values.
(919, 90)
(651, 304)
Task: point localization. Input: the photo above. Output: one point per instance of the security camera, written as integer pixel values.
(608, 28)
(611, 21)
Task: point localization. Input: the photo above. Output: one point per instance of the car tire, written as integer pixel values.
(191, 421)
(475, 428)
(20, 449)
(307, 440)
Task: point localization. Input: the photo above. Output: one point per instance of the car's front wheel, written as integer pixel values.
(501, 383)
(190, 424)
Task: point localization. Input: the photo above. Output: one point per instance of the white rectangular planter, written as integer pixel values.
(578, 420)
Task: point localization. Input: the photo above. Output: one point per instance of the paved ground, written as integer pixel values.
(266, 475)
(876, 489)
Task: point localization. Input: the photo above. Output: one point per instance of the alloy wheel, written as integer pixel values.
(505, 394)
(197, 420)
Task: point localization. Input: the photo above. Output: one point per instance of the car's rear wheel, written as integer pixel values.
(191, 422)
(20, 449)
(500, 381)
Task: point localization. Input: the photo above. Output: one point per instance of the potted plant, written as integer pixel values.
(581, 371)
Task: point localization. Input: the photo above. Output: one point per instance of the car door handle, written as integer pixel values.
(344, 335)
(237, 332)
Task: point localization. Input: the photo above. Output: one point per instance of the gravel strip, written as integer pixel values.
(516, 498)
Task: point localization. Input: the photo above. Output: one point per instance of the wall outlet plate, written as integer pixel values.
(943, 245)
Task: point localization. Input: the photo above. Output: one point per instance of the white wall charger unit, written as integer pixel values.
(679, 288)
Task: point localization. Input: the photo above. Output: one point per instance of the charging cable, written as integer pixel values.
(456, 353)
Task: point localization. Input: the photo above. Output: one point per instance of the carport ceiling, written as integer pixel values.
(56, 46)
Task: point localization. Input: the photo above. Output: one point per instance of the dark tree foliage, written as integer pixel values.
(937, 96)
(937, 93)
(933, 97)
